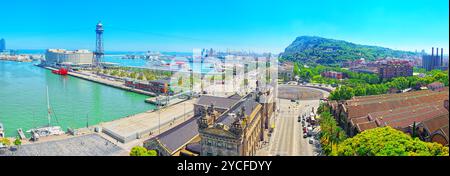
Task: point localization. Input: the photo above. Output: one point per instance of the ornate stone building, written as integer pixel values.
(238, 131)
(228, 126)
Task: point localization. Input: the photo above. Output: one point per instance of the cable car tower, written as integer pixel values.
(98, 44)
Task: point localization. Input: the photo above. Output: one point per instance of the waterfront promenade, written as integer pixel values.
(141, 125)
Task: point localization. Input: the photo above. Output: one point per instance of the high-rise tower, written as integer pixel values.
(2, 45)
(99, 44)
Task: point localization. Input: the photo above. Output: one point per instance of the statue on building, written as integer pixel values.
(236, 127)
(203, 120)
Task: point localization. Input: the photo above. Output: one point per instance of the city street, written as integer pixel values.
(287, 137)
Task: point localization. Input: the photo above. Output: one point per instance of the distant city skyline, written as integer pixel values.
(259, 26)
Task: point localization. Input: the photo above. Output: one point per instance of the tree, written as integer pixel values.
(330, 133)
(342, 93)
(123, 74)
(140, 77)
(296, 69)
(360, 91)
(142, 151)
(152, 153)
(399, 83)
(5, 141)
(133, 75)
(386, 141)
(17, 142)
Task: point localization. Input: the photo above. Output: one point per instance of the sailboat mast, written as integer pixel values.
(48, 108)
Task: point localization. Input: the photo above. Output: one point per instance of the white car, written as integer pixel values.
(311, 141)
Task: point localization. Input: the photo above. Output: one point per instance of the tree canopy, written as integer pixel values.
(330, 133)
(316, 50)
(386, 141)
(142, 151)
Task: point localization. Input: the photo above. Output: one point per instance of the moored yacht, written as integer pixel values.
(48, 130)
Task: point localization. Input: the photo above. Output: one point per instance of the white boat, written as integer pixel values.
(46, 130)
(2, 133)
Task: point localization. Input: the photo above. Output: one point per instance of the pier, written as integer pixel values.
(115, 84)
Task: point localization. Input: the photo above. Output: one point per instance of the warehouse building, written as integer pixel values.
(58, 57)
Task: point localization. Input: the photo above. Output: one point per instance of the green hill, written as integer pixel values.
(311, 49)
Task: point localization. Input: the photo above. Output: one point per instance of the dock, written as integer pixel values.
(141, 125)
(106, 82)
(21, 134)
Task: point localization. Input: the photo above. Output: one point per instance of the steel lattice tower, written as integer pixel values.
(98, 44)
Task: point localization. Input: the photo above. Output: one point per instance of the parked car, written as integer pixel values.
(305, 135)
(311, 141)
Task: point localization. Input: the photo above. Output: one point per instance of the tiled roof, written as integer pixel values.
(362, 107)
(358, 120)
(401, 117)
(366, 126)
(360, 99)
(220, 102)
(438, 123)
(194, 147)
(435, 84)
(235, 96)
(248, 102)
(179, 135)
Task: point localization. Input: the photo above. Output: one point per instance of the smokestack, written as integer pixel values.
(432, 51)
(442, 56)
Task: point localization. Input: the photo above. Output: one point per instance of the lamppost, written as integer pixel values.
(159, 115)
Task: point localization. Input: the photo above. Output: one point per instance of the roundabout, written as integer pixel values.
(295, 92)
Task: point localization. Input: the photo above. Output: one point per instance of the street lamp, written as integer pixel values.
(159, 115)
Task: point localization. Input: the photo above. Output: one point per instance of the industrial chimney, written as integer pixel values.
(437, 53)
(442, 56)
(432, 51)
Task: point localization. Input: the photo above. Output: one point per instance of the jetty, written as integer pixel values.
(97, 79)
(21, 134)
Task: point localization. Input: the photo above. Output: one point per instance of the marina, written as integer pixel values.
(75, 103)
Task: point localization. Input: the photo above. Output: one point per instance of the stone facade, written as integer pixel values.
(239, 130)
(241, 139)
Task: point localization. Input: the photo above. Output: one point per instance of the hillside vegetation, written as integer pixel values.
(317, 50)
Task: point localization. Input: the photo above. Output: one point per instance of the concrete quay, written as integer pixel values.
(115, 84)
(144, 124)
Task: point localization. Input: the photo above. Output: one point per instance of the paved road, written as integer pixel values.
(287, 138)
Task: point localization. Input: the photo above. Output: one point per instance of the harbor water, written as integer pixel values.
(74, 102)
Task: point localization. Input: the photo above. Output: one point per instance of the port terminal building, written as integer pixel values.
(62, 57)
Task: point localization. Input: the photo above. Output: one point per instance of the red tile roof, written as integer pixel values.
(363, 106)
(401, 117)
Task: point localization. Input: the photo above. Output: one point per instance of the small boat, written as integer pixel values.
(47, 131)
(2, 133)
(21, 135)
(61, 71)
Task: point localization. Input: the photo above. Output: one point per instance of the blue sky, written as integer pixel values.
(257, 25)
